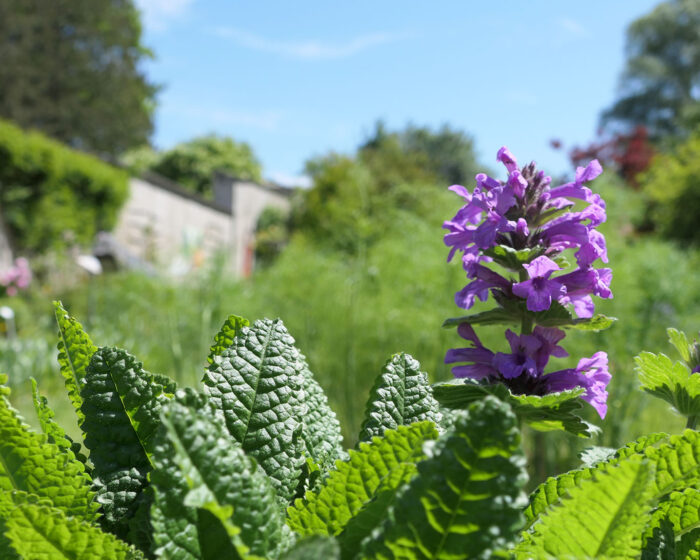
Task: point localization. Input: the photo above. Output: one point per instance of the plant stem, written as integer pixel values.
(692, 422)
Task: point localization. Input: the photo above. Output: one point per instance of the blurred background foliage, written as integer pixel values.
(358, 269)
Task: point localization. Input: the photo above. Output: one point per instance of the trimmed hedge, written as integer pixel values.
(47, 189)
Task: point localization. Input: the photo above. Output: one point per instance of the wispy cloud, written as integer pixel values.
(158, 14)
(309, 50)
(216, 117)
(572, 27)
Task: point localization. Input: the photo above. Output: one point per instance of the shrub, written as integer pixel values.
(47, 189)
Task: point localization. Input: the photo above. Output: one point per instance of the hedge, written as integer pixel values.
(48, 189)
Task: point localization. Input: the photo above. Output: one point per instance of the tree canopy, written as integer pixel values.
(72, 69)
(660, 85)
(192, 163)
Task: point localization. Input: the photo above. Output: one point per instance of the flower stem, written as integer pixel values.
(692, 422)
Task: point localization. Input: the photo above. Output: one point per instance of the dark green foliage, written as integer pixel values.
(197, 463)
(72, 69)
(555, 411)
(121, 404)
(468, 495)
(314, 548)
(659, 84)
(224, 338)
(40, 178)
(253, 383)
(193, 163)
(401, 395)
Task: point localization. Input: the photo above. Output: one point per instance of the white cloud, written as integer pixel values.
(158, 14)
(215, 117)
(289, 179)
(572, 27)
(308, 50)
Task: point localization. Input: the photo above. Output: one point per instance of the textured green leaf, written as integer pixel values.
(49, 426)
(30, 464)
(224, 338)
(198, 465)
(9, 500)
(374, 512)
(676, 460)
(401, 395)
(591, 456)
(344, 492)
(74, 352)
(121, 406)
(38, 531)
(314, 548)
(555, 411)
(496, 316)
(467, 498)
(321, 429)
(672, 382)
(601, 518)
(253, 383)
(514, 259)
(678, 516)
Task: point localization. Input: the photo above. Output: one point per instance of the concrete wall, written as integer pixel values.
(168, 225)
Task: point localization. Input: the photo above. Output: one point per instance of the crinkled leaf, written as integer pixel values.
(253, 384)
(375, 511)
(321, 429)
(591, 456)
(400, 396)
(601, 518)
(672, 382)
(673, 519)
(314, 548)
(9, 500)
(468, 496)
(514, 259)
(226, 334)
(121, 405)
(49, 426)
(74, 352)
(676, 460)
(199, 464)
(29, 463)
(346, 490)
(38, 531)
(555, 411)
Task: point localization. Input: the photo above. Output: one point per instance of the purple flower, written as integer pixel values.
(540, 290)
(521, 360)
(591, 373)
(483, 280)
(507, 159)
(479, 358)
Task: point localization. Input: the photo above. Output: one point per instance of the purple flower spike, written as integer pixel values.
(540, 290)
(479, 358)
(507, 159)
(521, 360)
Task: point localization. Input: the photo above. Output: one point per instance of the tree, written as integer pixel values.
(71, 68)
(660, 86)
(192, 163)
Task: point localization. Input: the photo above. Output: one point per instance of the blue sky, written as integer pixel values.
(298, 79)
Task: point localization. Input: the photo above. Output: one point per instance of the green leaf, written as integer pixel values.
(676, 460)
(677, 517)
(555, 411)
(401, 395)
(513, 259)
(253, 383)
(314, 548)
(38, 531)
(680, 342)
(121, 406)
(321, 429)
(346, 490)
(200, 467)
(49, 426)
(74, 352)
(591, 456)
(373, 513)
(601, 518)
(672, 382)
(468, 495)
(29, 463)
(514, 312)
(226, 334)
